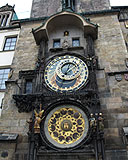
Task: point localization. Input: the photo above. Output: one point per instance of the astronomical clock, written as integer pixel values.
(66, 124)
(66, 73)
(62, 90)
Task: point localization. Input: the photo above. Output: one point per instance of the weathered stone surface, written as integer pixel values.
(42, 8)
(111, 51)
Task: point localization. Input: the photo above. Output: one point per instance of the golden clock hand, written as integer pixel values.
(67, 69)
(72, 68)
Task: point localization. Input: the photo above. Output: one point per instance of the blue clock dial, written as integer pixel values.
(66, 73)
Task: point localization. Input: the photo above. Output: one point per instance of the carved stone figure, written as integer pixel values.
(30, 125)
(65, 44)
(93, 122)
(100, 119)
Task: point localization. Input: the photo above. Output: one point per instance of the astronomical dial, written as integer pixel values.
(66, 126)
(68, 69)
(66, 73)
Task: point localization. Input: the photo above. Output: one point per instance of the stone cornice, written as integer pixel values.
(101, 12)
(83, 13)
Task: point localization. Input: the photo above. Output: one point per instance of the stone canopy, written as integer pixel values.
(65, 18)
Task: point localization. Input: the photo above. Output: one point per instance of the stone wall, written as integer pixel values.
(42, 8)
(11, 121)
(111, 51)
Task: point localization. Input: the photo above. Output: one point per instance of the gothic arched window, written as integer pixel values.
(68, 4)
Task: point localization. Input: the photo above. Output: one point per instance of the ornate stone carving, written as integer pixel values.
(7, 8)
(65, 44)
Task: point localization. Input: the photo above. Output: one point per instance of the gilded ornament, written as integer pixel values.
(68, 127)
(38, 118)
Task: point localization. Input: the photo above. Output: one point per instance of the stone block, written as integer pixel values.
(112, 124)
(22, 123)
(126, 122)
(115, 100)
(113, 132)
(7, 145)
(22, 146)
(123, 157)
(100, 75)
(120, 123)
(116, 91)
(115, 158)
(114, 105)
(122, 116)
(101, 84)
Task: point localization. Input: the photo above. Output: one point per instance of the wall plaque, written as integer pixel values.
(8, 136)
(126, 77)
(118, 77)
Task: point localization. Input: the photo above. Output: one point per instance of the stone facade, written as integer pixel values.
(111, 51)
(43, 8)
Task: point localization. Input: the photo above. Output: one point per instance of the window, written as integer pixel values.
(56, 43)
(75, 42)
(4, 20)
(28, 87)
(10, 43)
(3, 77)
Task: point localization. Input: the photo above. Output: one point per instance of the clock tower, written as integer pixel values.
(66, 116)
(66, 113)
(66, 93)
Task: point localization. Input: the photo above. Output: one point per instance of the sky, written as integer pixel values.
(23, 7)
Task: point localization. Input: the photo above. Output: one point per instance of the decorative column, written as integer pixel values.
(97, 126)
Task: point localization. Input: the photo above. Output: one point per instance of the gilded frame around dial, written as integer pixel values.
(66, 126)
(66, 73)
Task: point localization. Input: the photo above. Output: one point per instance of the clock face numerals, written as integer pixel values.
(66, 73)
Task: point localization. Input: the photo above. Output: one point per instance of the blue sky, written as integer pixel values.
(23, 7)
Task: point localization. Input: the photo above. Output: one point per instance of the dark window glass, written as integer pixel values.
(2, 22)
(68, 4)
(10, 43)
(73, 4)
(28, 88)
(7, 19)
(75, 42)
(3, 77)
(56, 43)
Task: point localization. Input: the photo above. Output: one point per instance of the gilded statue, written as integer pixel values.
(38, 118)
